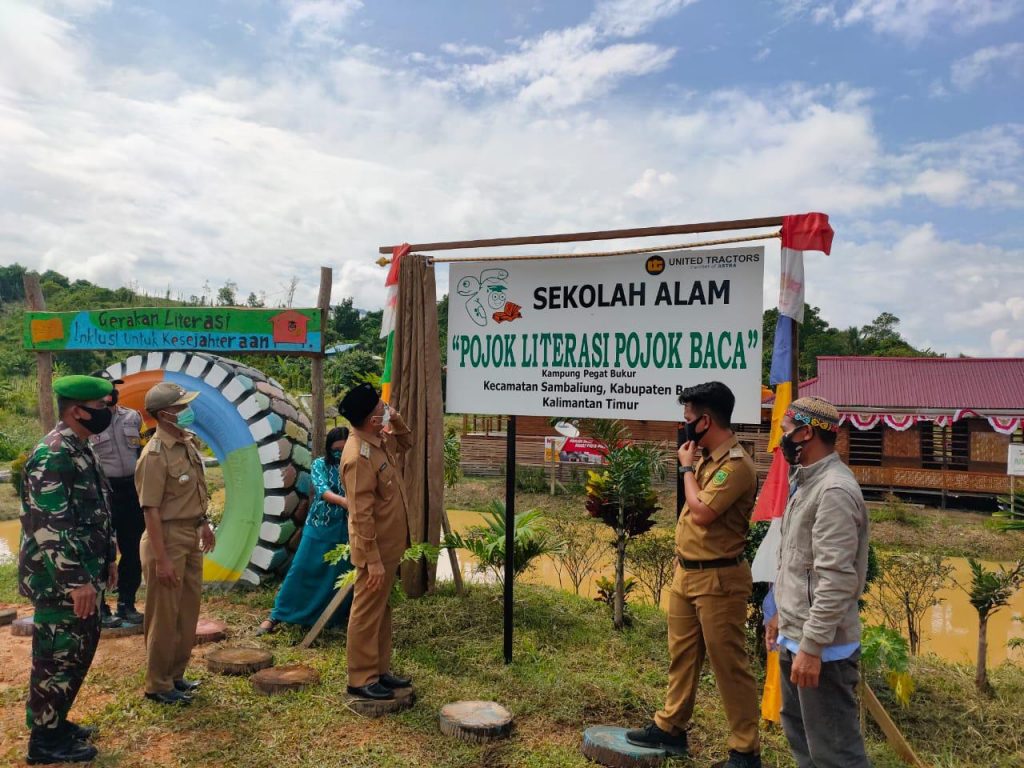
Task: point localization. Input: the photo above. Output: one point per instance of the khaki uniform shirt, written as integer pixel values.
(378, 527)
(728, 482)
(170, 476)
(117, 447)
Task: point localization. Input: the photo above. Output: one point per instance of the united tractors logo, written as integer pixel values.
(485, 295)
(655, 264)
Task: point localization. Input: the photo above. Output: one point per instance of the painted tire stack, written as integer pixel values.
(260, 437)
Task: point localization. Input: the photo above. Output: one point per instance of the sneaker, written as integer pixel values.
(652, 737)
(740, 760)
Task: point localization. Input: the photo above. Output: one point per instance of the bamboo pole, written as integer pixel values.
(44, 360)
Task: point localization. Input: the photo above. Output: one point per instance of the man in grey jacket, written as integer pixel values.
(822, 565)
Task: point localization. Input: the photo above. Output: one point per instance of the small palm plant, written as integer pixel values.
(486, 543)
(413, 554)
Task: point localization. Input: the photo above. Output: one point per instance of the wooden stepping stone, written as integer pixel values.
(289, 677)
(238, 661)
(125, 630)
(608, 746)
(476, 721)
(7, 615)
(22, 627)
(404, 699)
(210, 631)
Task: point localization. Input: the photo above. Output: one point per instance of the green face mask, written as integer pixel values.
(186, 418)
(336, 455)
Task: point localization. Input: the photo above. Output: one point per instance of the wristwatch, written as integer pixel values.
(685, 468)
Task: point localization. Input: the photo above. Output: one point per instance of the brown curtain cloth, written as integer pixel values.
(416, 393)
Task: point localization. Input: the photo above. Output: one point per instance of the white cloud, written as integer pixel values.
(565, 67)
(628, 18)
(967, 72)
(950, 295)
(318, 22)
(910, 20)
(1007, 343)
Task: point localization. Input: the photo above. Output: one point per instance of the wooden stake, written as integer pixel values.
(329, 611)
(446, 528)
(44, 360)
(890, 729)
(323, 302)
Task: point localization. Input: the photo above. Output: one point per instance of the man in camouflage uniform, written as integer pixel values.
(67, 558)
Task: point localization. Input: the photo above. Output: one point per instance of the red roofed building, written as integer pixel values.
(926, 424)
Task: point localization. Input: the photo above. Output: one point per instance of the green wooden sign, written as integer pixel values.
(209, 329)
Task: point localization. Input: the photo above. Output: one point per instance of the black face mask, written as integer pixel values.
(692, 433)
(99, 419)
(791, 449)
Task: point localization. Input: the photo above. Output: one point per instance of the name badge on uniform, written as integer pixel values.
(383, 467)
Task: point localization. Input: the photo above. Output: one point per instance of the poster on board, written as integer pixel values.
(613, 337)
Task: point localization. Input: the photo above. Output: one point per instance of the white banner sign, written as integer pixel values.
(614, 337)
(1015, 460)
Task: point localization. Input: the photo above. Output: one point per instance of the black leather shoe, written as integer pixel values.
(110, 622)
(170, 697)
(128, 615)
(58, 748)
(393, 681)
(740, 760)
(652, 737)
(374, 691)
(186, 686)
(80, 732)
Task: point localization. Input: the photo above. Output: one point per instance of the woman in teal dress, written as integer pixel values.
(309, 585)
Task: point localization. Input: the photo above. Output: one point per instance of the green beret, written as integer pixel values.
(82, 388)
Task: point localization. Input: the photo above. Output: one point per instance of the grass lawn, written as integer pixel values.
(571, 670)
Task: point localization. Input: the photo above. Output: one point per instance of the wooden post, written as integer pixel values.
(323, 303)
(510, 529)
(453, 558)
(44, 360)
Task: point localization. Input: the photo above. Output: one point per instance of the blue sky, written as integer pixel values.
(167, 145)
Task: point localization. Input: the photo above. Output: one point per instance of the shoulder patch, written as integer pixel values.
(154, 445)
(737, 452)
(364, 450)
(720, 476)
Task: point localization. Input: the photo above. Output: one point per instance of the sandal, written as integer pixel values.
(267, 626)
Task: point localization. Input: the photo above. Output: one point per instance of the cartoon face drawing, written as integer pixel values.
(490, 286)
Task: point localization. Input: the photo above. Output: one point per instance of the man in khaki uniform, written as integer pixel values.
(171, 484)
(378, 535)
(711, 586)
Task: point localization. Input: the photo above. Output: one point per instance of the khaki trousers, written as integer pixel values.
(706, 616)
(369, 629)
(171, 611)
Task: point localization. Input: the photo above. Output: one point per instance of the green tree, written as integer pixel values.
(348, 369)
(255, 301)
(988, 592)
(345, 320)
(227, 294)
